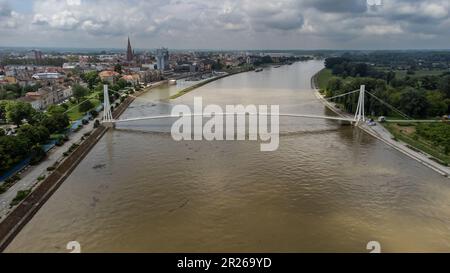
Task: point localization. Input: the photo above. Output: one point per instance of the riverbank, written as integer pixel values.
(153, 85)
(192, 88)
(384, 135)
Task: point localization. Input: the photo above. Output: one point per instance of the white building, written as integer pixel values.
(47, 96)
(47, 76)
(70, 65)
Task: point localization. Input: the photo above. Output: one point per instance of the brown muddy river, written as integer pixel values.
(328, 188)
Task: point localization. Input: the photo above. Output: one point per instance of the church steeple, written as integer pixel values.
(130, 55)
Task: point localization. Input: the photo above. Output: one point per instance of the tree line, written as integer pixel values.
(59, 61)
(15, 91)
(33, 130)
(418, 97)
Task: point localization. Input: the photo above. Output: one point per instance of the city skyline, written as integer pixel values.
(226, 25)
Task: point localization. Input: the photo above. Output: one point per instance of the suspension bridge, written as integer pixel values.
(358, 119)
(109, 121)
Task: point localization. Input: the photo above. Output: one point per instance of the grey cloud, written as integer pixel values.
(339, 6)
(422, 12)
(234, 23)
(5, 9)
(274, 15)
(280, 21)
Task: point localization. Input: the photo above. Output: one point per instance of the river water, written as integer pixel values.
(328, 188)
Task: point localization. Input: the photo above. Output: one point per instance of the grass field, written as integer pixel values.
(75, 114)
(407, 134)
(419, 73)
(400, 74)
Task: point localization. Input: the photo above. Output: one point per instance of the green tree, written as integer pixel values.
(56, 120)
(121, 83)
(37, 154)
(91, 78)
(13, 149)
(18, 111)
(35, 134)
(36, 118)
(3, 105)
(86, 106)
(437, 105)
(335, 84)
(79, 92)
(444, 85)
(118, 68)
(414, 103)
(390, 76)
(56, 109)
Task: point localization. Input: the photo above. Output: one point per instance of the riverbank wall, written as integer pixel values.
(192, 88)
(25, 211)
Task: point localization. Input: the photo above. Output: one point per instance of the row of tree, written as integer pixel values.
(59, 61)
(344, 67)
(33, 130)
(406, 59)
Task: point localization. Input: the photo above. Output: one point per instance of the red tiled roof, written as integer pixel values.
(108, 74)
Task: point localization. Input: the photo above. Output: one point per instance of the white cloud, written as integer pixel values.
(227, 23)
(74, 2)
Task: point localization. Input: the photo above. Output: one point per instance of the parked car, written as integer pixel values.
(371, 122)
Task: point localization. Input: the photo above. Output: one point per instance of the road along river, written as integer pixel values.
(327, 188)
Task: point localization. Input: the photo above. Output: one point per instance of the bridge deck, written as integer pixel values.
(227, 114)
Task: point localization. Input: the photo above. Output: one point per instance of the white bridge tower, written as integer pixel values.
(360, 110)
(108, 119)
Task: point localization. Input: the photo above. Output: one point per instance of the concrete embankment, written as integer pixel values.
(380, 133)
(192, 88)
(24, 212)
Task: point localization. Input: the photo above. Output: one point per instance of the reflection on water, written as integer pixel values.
(328, 187)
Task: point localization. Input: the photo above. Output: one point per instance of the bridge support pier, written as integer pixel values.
(109, 124)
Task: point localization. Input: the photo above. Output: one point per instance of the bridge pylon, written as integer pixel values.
(360, 109)
(108, 119)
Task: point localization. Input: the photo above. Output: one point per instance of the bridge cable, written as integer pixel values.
(73, 107)
(390, 106)
(342, 95)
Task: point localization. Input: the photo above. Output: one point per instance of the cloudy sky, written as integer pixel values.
(227, 24)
